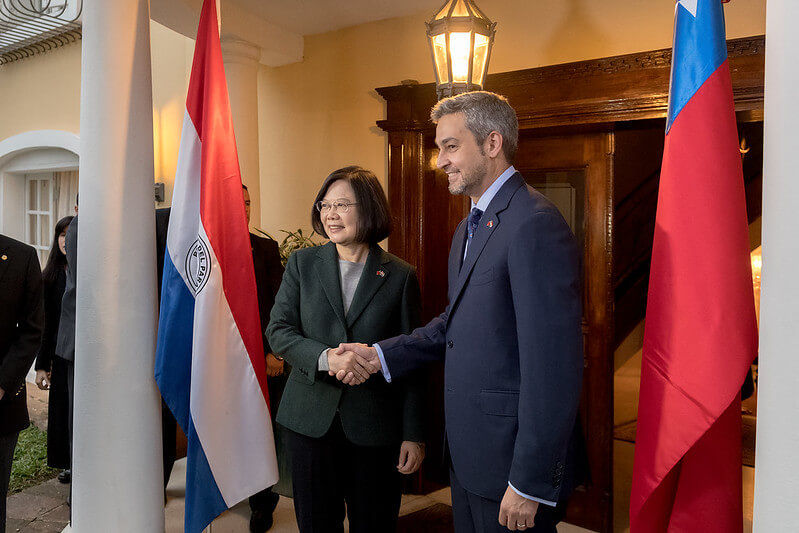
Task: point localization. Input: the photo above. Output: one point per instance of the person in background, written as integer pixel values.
(348, 445)
(169, 426)
(268, 273)
(51, 370)
(21, 326)
(65, 339)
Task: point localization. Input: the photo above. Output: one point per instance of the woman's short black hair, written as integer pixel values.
(374, 220)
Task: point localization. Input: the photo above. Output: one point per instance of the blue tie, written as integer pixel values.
(474, 220)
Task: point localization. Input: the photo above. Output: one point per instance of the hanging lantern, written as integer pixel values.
(460, 37)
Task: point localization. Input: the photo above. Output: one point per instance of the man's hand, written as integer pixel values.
(342, 362)
(365, 353)
(2, 393)
(274, 366)
(411, 456)
(517, 513)
(43, 379)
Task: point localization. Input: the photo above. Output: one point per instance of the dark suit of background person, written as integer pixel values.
(308, 316)
(268, 273)
(169, 426)
(21, 325)
(65, 341)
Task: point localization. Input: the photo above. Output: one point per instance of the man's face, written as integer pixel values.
(246, 204)
(460, 156)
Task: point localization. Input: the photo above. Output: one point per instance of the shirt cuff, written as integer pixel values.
(539, 500)
(323, 365)
(383, 365)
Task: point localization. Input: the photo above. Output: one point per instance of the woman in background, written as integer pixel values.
(51, 371)
(348, 445)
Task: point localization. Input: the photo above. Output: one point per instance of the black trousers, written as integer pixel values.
(7, 445)
(331, 472)
(475, 514)
(58, 408)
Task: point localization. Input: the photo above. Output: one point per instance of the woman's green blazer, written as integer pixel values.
(308, 316)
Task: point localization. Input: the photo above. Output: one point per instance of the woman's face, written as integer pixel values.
(62, 239)
(341, 228)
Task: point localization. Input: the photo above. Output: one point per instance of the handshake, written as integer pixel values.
(353, 363)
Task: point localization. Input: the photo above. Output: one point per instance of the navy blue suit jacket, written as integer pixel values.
(511, 339)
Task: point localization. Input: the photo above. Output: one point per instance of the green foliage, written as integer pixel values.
(294, 240)
(30, 460)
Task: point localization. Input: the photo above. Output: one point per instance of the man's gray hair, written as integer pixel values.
(485, 112)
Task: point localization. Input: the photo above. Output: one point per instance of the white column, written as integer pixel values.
(777, 461)
(117, 482)
(241, 71)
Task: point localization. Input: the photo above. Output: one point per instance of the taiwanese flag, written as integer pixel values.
(701, 335)
(210, 362)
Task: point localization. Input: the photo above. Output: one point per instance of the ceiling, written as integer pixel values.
(308, 17)
(278, 27)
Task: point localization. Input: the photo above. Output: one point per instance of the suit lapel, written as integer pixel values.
(456, 257)
(327, 270)
(373, 277)
(489, 223)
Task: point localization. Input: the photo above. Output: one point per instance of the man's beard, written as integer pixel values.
(469, 181)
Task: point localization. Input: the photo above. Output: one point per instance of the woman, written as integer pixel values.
(347, 444)
(51, 371)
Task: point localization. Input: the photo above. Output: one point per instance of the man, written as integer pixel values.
(510, 337)
(169, 426)
(268, 274)
(21, 326)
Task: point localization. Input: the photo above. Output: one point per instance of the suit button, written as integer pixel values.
(450, 344)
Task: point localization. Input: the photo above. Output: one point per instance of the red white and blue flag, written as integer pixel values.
(701, 334)
(210, 362)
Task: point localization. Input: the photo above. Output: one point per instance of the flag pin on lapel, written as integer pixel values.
(490, 224)
(381, 273)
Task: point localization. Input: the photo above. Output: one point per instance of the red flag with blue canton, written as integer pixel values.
(701, 333)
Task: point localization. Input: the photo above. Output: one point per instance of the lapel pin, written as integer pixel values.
(4, 257)
(381, 273)
(490, 224)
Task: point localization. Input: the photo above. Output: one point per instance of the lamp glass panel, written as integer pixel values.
(439, 43)
(480, 57)
(442, 13)
(460, 9)
(460, 51)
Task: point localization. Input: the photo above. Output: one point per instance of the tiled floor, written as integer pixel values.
(42, 508)
(626, 381)
(236, 519)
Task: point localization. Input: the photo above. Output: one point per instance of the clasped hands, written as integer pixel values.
(352, 363)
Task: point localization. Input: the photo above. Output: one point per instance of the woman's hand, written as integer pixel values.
(274, 366)
(43, 379)
(411, 456)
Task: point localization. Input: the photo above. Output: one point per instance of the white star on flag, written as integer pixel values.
(690, 5)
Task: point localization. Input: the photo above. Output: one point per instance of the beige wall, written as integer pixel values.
(171, 63)
(41, 92)
(320, 114)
